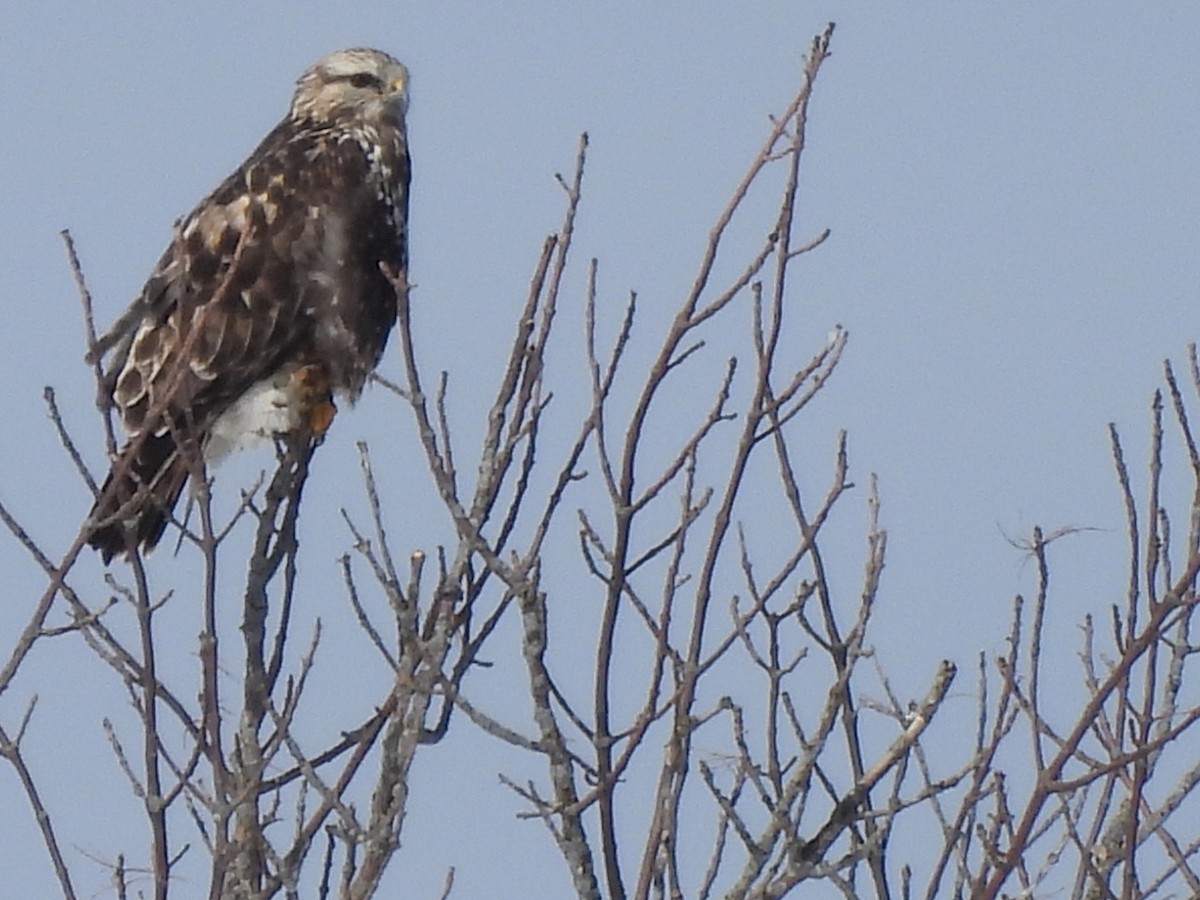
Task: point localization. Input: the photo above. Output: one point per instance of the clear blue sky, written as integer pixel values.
(1013, 193)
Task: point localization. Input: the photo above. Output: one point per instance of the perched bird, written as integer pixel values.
(271, 298)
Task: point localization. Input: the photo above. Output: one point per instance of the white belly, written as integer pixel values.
(267, 410)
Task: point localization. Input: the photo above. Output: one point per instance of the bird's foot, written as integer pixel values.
(310, 386)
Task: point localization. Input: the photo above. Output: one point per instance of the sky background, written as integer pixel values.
(1012, 191)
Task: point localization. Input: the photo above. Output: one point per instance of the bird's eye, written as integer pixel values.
(364, 80)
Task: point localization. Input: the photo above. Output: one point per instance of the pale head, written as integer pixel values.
(366, 84)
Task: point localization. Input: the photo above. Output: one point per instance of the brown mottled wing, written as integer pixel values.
(279, 263)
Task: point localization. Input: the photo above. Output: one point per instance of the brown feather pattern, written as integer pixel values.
(276, 269)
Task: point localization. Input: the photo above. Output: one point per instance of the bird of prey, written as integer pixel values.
(271, 298)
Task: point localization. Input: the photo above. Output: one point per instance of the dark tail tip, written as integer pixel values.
(138, 497)
(108, 541)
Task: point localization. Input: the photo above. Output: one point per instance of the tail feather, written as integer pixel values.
(158, 471)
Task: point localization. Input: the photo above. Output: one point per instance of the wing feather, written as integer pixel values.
(279, 267)
(256, 264)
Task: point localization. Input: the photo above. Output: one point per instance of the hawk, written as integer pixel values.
(271, 299)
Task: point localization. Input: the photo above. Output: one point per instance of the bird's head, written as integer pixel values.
(365, 84)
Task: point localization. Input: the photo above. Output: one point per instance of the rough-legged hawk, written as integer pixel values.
(270, 298)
